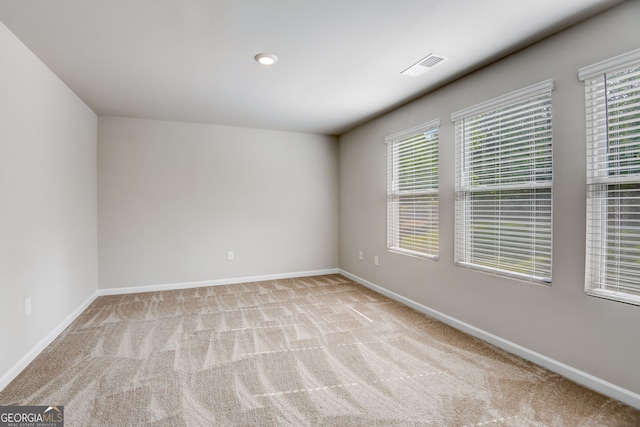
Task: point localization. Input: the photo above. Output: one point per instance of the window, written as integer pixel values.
(612, 94)
(412, 196)
(503, 185)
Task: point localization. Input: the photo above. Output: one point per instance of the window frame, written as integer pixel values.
(467, 243)
(603, 272)
(428, 189)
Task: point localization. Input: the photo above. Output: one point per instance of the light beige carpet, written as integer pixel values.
(297, 352)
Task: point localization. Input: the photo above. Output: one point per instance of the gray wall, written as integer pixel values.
(175, 197)
(594, 335)
(48, 231)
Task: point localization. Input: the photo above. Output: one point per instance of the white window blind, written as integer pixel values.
(503, 185)
(612, 95)
(412, 196)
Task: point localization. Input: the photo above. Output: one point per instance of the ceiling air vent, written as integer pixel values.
(424, 65)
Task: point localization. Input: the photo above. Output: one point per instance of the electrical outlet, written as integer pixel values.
(27, 306)
(360, 255)
(230, 255)
(375, 260)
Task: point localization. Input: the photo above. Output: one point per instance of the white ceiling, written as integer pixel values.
(340, 60)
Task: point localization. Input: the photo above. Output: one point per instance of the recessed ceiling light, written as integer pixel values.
(266, 58)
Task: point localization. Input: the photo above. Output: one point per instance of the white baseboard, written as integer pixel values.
(580, 377)
(12, 373)
(219, 282)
